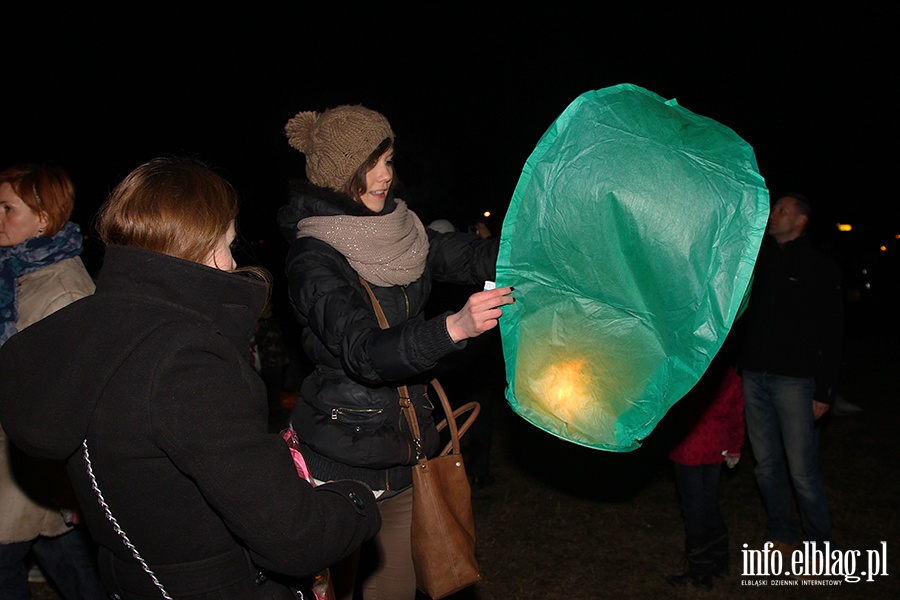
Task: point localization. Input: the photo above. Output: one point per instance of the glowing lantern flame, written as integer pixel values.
(564, 389)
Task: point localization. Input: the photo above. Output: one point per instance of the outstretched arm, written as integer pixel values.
(480, 313)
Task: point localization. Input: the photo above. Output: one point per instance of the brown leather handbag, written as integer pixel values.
(443, 525)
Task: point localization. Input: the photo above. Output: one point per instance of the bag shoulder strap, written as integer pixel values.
(115, 524)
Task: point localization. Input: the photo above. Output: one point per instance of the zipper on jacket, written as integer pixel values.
(405, 299)
(336, 412)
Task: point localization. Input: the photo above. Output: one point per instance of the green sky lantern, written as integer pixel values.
(630, 240)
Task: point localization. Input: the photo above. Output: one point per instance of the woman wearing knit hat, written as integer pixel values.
(345, 224)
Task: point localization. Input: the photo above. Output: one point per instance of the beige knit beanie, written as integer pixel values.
(336, 142)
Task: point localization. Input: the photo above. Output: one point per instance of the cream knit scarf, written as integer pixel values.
(386, 249)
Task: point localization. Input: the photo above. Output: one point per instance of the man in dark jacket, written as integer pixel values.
(789, 357)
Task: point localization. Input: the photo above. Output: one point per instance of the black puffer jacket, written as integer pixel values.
(349, 417)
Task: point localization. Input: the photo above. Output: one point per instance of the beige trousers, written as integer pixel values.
(384, 563)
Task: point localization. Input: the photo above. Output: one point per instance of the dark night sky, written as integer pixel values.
(468, 90)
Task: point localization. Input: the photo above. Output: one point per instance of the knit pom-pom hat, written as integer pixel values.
(336, 142)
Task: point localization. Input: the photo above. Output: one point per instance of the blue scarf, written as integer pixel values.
(27, 257)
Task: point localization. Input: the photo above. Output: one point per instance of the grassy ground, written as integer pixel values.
(566, 522)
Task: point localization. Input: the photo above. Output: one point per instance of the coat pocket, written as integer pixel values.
(351, 415)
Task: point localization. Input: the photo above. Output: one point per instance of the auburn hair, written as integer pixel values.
(172, 205)
(44, 188)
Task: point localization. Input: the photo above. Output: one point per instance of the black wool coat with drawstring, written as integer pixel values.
(348, 417)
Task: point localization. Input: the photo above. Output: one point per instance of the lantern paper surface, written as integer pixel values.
(630, 240)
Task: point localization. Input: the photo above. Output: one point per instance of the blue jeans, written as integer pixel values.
(785, 441)
(68, 561)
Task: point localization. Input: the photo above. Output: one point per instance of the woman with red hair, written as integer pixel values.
(40, 272)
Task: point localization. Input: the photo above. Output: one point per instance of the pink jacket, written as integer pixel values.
(719, 429)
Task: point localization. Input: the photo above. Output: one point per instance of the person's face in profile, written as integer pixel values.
(378, 182)
(17, 221)
(786, 221)
(221, 258)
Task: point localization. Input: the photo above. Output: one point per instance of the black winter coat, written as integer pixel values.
(348, 416)
(152, 371)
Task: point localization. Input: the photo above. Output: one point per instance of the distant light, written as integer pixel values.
(883, 248)
(487, 214)
(844, 227)
(897, 237)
